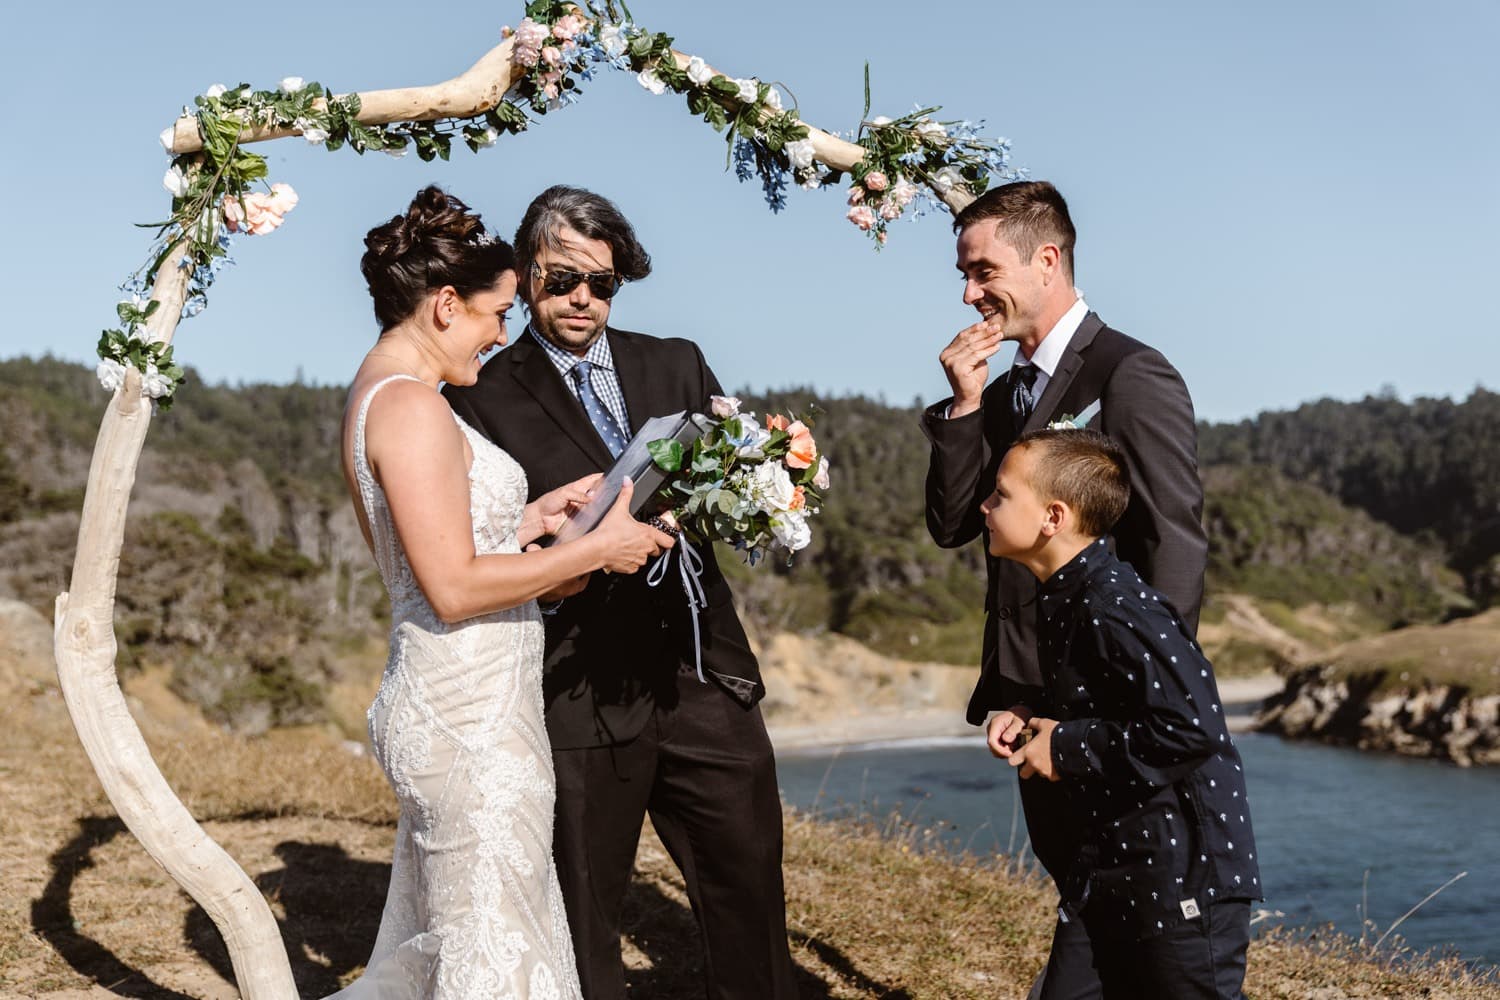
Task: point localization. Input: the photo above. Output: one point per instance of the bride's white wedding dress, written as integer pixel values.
(474, 909)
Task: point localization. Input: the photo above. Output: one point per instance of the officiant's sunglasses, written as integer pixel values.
(602, 284)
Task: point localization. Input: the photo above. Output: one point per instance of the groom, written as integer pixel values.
(1015, 253)
(632, 728)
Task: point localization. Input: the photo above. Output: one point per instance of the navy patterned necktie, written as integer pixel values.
(1022, 399)
(600, 417)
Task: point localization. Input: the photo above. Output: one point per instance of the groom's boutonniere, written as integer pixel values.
(1068, 422)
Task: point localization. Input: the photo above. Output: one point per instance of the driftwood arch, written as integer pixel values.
(84, 638)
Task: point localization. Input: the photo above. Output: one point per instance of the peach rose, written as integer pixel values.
(875, 181)
(803, 451)
(258, 213)
(775, 422)
(799, 499)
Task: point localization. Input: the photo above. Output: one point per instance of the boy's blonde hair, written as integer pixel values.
(1082, 468)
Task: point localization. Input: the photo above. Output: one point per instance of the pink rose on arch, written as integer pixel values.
(803, 451)
(890, 210)
(552, 55)
(567, 26)
(856, 195)
(862, 217)
(875, 181)
(552, 84)
(529, 38)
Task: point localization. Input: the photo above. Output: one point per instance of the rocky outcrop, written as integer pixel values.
(1428, 720)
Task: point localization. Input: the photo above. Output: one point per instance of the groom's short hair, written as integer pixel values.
(1084, 469)
(586, 213)
(1031, 213)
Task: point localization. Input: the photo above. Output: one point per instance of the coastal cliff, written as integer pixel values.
(1425, 691)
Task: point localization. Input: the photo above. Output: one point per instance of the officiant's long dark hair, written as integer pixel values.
(437, 242)
(592, 216)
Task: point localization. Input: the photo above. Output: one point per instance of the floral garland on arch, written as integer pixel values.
(558, 45)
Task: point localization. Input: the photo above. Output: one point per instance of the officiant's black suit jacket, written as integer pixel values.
(614, 650)
(1147, 411)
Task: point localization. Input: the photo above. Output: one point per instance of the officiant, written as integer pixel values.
(633, 728)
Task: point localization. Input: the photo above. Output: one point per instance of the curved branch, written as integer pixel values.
(84, 647)
(480, 88)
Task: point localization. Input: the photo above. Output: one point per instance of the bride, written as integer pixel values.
(474, 908)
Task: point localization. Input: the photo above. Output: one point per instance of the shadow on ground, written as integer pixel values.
(333, 904)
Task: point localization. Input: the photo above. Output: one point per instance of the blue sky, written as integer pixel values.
(1291, 200)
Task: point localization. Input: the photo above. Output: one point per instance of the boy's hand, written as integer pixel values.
(1035, 758)
(1005, 730)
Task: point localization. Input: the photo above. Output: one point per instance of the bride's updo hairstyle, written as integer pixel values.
(437, 242)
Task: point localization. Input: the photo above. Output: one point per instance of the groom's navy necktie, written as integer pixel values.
(1022, 399)
(605, 424)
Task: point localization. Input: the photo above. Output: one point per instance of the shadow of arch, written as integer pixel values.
(666, 932)
(52, 916)
(333, 904)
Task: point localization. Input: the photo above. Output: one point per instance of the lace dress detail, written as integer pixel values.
(474, 908)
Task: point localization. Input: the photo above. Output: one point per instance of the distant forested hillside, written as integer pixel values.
(1429, 469)
(244, 570)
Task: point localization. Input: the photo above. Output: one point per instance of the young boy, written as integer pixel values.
(1133, 727)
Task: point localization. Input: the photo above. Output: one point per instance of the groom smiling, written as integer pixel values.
(633, 730)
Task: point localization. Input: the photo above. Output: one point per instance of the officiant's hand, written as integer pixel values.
(966, 362)
(548, 512)
(625, 543)
(1035, 758)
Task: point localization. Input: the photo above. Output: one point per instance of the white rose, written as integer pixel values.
(217, 90)
(724, 407)
(490, 137)
(612, 40)
(154, 383)
(167, 136)
(772, 487)
(928, 127)
(175, 181)
(800, 152)
(791, 530)
(291, 84)
(773, 99)
(749, 91)
(947, 179)
(310, 131)
(647, 78)
(111, 374)
(698, 71)
(820, 478)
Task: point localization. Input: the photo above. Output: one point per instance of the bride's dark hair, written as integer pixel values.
(437, 242)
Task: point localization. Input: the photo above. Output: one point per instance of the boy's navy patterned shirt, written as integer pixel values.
(1144, 751)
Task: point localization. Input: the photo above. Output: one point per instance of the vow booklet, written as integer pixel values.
(634, 462)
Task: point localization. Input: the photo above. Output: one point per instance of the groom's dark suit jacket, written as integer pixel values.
(1147, 411)
(614, 650)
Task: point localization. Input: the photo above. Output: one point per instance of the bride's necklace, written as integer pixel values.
(405, 367)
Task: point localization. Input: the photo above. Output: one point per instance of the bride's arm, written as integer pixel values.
(417, 454)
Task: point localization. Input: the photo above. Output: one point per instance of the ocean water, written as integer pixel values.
(1345, 837)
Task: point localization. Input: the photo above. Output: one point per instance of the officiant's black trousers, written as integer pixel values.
(705, 771)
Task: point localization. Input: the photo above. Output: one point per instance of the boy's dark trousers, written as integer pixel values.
(1201, 959)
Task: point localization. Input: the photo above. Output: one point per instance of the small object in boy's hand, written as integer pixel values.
(1023, 737)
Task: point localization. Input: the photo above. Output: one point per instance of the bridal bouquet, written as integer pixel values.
(741, 482)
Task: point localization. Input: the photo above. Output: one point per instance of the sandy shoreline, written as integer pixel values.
(1241, 695)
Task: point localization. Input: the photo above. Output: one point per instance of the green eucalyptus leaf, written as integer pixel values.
(666, 453)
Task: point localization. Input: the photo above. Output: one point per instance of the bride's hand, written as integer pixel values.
(626, 542)
(548, 512)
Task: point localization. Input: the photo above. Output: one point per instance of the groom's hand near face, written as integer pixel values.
(966, 362)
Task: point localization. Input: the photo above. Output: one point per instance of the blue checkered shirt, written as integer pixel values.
(604, 380)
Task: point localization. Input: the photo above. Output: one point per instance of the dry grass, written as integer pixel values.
(1463, 653)
(85, 913)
